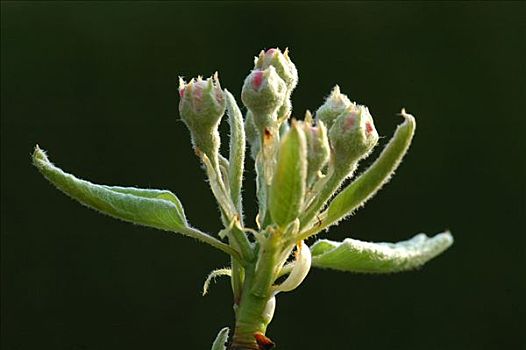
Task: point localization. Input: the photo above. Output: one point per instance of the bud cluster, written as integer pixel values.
(286, 71)
(300, 167)
(299, 163)
(352, 134)
(267, 89)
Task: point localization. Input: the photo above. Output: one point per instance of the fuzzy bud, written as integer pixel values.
(263, 93)
(352, 137)
(318, 149)
(334, 105)
(201, 107)
(282, 63)
(286, 71)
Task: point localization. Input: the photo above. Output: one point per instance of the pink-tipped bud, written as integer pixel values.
(318, 149)
(334, 105)
(201, 100)
(282, 63)
(201, 107)
(352, 136)
(263, 93)
(257, 79)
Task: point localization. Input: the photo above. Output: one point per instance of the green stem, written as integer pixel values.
(239, 240)
(243, 243)
(203, 237)
(334, 180)
(237, 278)
(252, 314)
(229, 216)
(249, 316)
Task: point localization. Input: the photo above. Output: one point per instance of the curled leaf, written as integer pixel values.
(221, 339)
(268, 312)
(358, 256)
(213, 275)
(299, 271)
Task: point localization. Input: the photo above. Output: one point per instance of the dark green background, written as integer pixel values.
(95, 84)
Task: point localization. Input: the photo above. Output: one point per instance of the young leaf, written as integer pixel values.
(300, 270)
(213, 275)
(237, 150)
(154, 194)
(288, 185)
(372, 180)
(221, 339)
(357, 256)
(154, 208)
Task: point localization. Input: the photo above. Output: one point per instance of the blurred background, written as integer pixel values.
(95, 84)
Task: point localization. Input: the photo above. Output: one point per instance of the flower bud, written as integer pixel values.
(286, 71)
(282, 63)
(318, 149)
(352, 137)
(263, 93)
(201, 106)
(334, 105)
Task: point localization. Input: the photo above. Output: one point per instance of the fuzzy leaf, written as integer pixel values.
(372, 180)
(154, 208)
(288, 185)
(358, 256)
(300, 270)
(221, 339)
(213, 275)
(237, 150)
(154, 194)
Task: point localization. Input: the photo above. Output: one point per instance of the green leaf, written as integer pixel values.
(372, 180)
(237, 150)
(221, 339)
(287, 190)
(153, 208)
(150, 193)
(358, 256)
